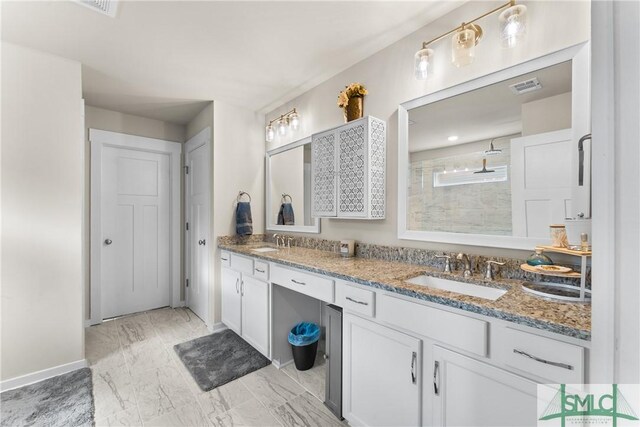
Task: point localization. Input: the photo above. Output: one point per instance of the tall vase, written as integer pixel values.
(354, 109)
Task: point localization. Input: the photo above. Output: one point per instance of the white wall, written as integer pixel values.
(114, 121)
(42, 188)
(627, 193)
(238, 164)
(388, 75)
(547, 114)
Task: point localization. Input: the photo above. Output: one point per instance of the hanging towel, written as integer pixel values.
(244, 223)
(285, 215)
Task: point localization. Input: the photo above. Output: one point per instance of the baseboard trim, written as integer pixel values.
(38, 376)
(279, 365)
(216, 327)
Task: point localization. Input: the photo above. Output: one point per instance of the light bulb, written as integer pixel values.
(282, 126)
(513, 25)
(423, 63)
(294, 120)
(269, 133)
(463, 47)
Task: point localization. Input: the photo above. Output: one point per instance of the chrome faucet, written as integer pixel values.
(467, 264)
(277, 237)
(488, 275)
(289, 239)
(447, 262)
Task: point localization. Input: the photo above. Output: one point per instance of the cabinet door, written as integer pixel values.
(352, 169)
(255, 313)
(323, 174)
(231, 303)
(469, 392)
(381, 374)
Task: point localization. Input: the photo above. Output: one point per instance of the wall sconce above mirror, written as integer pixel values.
(288, 189)
(495, 161)
(465, 37)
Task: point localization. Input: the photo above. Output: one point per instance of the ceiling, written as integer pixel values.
(164, 59)
(484, 113)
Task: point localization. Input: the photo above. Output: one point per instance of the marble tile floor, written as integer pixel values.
(139, 380)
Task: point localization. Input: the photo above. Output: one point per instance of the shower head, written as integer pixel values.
(484, 168)
(493, 151)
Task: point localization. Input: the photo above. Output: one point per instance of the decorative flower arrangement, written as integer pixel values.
(351, 101)
(351, 91)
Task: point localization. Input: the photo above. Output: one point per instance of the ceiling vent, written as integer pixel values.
(106, 7)
(526, 86)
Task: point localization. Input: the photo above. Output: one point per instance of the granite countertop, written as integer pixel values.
(570, 319)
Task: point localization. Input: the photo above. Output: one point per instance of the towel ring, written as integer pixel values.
(242, 193)
(284, 198)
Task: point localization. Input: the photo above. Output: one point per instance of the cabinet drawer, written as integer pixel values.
(309, 284)
(261, 270)
(225, 259)
(543, 357)
(457, 330)
(355, 299)
(242, 264)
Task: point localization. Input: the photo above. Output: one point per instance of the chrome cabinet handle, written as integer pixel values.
(202, 242)
(414, 375)
(224, 259)
(237, 288)
(356, 301)
(298, 283)
(546, 362)
(259, 271)
(108, 241)
(436, 378)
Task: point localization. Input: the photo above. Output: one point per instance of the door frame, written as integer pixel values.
(201, 138)
(100, 139)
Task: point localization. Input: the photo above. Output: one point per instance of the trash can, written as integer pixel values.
(304, 344)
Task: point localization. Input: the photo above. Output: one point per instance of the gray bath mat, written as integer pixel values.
(219, 358)
(65, 400)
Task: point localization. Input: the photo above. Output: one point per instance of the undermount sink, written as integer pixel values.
(470, 289)
(266, 249)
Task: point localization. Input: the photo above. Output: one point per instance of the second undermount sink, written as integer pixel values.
(463, 288)
(265, 249)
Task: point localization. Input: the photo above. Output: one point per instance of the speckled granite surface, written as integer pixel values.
(572, 320)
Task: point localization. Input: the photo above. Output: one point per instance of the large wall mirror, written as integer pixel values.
(288, 189)
(495, 161)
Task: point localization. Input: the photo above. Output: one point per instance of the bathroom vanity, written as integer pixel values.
(439, 357)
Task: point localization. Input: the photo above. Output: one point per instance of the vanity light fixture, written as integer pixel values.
(286, 121)
(513, 26)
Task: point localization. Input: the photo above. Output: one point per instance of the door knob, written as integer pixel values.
(202, 242)
(108, 241)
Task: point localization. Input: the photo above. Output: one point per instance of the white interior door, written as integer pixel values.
(541, 182)
(198, 238)
(135, 216)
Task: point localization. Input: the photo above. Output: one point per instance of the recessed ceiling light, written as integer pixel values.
(453, 138)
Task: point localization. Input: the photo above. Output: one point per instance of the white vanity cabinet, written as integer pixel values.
(348, 170)
(468, 392)
(381, 374)
(245, 301)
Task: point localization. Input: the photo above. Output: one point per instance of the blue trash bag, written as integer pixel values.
(304, 333)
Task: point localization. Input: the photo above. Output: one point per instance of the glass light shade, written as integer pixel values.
(423, 66)
(282, 127)
(513, 25)
(463, 47)
(294, 120)
(270, 133)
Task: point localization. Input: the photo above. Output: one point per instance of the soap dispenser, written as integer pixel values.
(538, 258)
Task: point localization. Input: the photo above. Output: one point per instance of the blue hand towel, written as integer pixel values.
(244, 223)
(285, 215)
